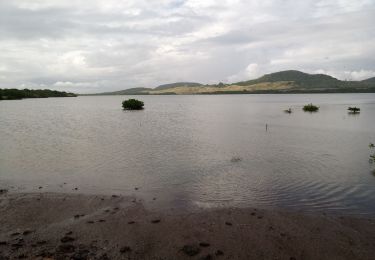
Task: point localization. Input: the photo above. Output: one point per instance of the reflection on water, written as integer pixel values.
(204, 151)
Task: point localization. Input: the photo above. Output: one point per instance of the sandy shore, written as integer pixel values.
(65, 226)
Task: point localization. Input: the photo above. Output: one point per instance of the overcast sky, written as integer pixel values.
(92, 46)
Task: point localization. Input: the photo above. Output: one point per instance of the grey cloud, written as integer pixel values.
(120, 44)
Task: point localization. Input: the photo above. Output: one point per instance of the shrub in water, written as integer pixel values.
(132, 104)
(354, 110)
(310, 108)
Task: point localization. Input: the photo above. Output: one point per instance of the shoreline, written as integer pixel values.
(77, 226)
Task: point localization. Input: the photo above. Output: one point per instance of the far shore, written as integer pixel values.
(67, 226)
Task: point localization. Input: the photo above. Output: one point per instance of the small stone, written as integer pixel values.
(131, 222)
(114, 196)
(206, 257)
(27, 232)
(77, 216)
(155, 221)
(219, 252)
(41, 242)
(82, 254)
(17, 245)
(116, 208)
(66, 248)
(3, 191)
(228, 223)
(125, 249)
(292, 258)
(204, 244)
(69, 233)
(15, 234)
(260, 217)
(40, 187)
(67, 239)
(136, 188)
(252, 213)
(3, 243)
(90, 222)
(191, 250)
(101, 220)
(75, 188)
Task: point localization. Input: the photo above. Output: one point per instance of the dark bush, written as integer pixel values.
(132, 104)
(310, 108)
(354, 110)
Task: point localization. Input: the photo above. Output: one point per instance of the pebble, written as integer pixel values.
(204, 244)
(27, 232)
(155, 221)
(66, 248)
(191, 250)
(125, 249)
(206, 257)
(219, 252)
(66, 239)
(228, 223)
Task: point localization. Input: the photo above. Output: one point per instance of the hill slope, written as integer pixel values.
(290, 81)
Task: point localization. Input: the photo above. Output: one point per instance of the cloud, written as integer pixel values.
(111, 45)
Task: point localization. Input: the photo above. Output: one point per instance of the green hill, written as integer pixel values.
(299, 79)
(178, 84)
(130, 91)
(369, 81)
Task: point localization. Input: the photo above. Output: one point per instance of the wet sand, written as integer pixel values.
(67, 226)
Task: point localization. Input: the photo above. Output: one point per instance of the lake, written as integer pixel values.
(196, 151)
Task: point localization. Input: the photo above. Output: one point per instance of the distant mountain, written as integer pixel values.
(178, 84)
(289, 81)
(130, 91)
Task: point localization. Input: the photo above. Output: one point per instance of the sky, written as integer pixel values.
(96, 46)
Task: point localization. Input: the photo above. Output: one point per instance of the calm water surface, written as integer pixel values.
(188, 151)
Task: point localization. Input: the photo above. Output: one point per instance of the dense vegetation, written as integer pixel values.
(310, 108)
(32, 93)
(132, 104)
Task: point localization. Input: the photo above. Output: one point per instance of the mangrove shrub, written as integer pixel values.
(310, 108)
(132, 104)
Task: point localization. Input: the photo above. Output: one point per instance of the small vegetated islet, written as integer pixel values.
(310, 108)
(354, 110)
(372, 156)
(132, 104)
